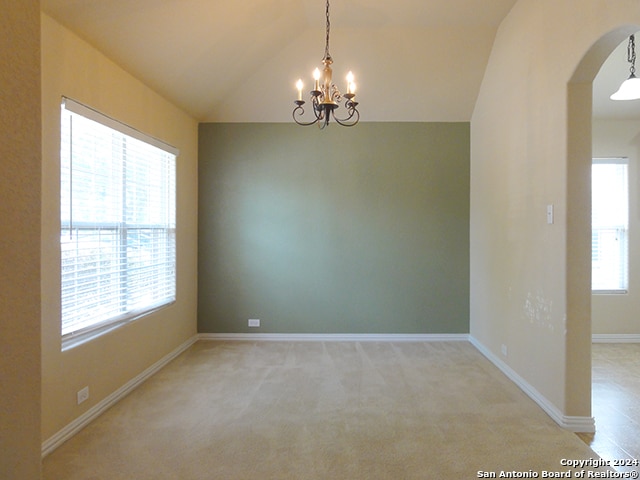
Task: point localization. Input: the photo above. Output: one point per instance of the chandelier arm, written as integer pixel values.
(318, 111)
(299, 111)
(336, 96)
(348, 122)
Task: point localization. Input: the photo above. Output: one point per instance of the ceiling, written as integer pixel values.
(237, 61)
(613, 72)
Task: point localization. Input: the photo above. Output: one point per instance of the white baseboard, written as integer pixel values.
(615, 338)
(573, 424)
(83, 420)
(337, 337)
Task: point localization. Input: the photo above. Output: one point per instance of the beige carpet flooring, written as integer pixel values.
(320, 410)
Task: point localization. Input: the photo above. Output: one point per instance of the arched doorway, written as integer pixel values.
(615, 359)
(579, 161)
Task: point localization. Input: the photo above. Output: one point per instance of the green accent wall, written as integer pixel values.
(344, 230)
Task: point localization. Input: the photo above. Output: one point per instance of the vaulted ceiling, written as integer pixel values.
(612, 73)
(237, 61)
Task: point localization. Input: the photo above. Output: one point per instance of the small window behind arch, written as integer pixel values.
(610, 225)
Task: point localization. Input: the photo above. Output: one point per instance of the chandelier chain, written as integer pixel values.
(631, 53)
(326, 48)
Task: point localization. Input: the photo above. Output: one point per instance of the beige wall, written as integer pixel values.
(530, 147)
(618, 314)
(20, 240)
(72, 68)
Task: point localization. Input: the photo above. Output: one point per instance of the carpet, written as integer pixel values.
(321, 410)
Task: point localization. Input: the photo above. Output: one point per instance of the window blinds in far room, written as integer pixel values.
(117, 236)
(610, 225)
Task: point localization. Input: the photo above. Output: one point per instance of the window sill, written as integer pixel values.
(73, 340)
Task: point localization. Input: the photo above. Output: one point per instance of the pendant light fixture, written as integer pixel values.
(630, 88)
(325, 96)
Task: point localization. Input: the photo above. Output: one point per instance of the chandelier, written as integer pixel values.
(325, 96)
(630, 88)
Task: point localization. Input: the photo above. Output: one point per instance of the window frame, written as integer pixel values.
(625, 228)
(86, 333)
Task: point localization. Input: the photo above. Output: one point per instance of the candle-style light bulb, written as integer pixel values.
(299, 87)
(316, 77)
(349, 82)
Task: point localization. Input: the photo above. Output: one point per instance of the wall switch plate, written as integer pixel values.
(83, 395)
(550, 214)
(254, 322)
(504, 350)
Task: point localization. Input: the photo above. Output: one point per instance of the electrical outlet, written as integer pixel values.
(83, 395)
(254, 322)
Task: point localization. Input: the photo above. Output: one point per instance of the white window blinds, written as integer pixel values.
(117, 237)
(610, 225)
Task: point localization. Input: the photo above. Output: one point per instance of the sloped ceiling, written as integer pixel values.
(612, 73)
(237, 61)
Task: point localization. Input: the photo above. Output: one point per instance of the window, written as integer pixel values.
(117, 232)
(610, 225)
